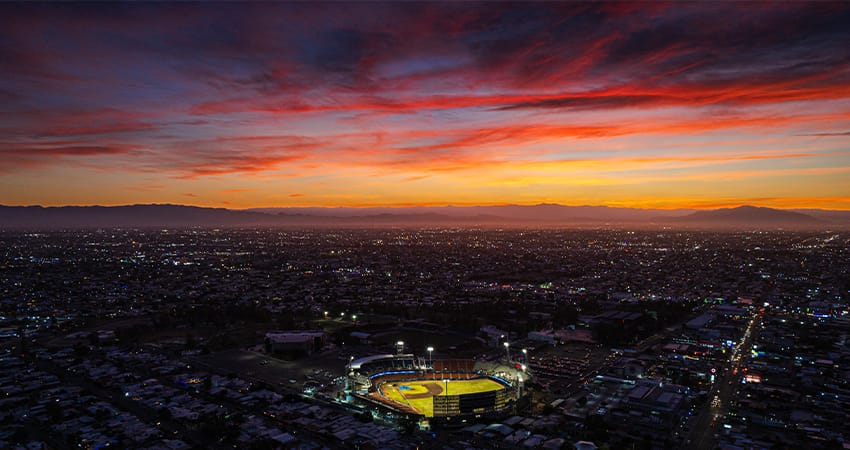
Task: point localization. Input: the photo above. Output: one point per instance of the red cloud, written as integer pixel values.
(414, 89)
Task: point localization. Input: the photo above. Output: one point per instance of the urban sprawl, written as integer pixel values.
(424, 338)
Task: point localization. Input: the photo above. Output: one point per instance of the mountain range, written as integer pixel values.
(544, 215)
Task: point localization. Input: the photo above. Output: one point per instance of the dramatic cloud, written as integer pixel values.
(426, 103)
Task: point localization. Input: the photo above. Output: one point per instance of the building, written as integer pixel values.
(296, 342)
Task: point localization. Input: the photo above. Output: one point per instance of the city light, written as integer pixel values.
(235, 368)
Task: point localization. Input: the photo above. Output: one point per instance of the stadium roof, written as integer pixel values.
(293, 337)
(360, 361)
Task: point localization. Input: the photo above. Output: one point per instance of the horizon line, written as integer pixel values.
(731, 205)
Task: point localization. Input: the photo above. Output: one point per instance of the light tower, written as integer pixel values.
(446, 404)
(399, 347)
(508, 350)
(348, 383)
(519, 387)
(525, 355)
(430, 360)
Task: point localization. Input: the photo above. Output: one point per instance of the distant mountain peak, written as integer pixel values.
(747, 215)
(544, 215)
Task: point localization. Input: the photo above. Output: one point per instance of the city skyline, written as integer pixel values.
(697, 105)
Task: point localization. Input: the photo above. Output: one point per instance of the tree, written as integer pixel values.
(164, 414)
(55, 411)
(80, 350)
(190, 342)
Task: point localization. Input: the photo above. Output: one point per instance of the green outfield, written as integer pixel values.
(419, 394)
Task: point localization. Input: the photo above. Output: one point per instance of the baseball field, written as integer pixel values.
(419, 394)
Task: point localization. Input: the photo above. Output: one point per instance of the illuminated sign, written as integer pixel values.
(752, 378)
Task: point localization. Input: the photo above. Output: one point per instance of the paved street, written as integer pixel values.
(710, 421)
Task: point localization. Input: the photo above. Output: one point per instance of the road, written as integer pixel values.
(710, 421)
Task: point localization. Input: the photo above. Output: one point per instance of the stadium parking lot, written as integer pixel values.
(322, 367)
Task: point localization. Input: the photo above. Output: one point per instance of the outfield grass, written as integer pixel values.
(425, 404)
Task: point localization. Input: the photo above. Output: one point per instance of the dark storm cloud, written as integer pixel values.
(612, 101)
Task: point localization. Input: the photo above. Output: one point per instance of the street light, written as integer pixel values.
(446, 402)
(508, 350)
(326, 314)
(525, 355)
(354, 318)
(430, 361)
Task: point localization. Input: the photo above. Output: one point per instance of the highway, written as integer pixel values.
(709, 423)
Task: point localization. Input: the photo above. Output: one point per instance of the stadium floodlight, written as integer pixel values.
(508, 350)
(446, 381)
(519, 386)
(354, 318)
(430, 360)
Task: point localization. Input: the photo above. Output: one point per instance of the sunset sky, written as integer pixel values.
(693, 105)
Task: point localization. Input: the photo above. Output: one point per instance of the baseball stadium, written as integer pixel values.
(434, 391)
